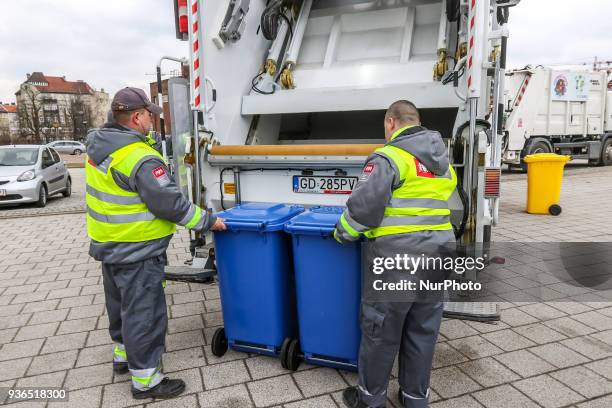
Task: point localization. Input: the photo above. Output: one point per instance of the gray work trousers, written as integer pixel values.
(388, 328)
(136, 306)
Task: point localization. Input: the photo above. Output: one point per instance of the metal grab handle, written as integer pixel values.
(214, 94)
(246, 226)
(310, 230)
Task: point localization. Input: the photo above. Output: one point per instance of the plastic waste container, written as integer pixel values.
(544, 177)
(256, 280)
(328, 291)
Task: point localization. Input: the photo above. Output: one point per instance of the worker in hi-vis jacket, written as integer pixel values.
(400, 204)
(133, 206)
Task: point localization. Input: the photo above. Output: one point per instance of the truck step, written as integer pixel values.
(476, 311)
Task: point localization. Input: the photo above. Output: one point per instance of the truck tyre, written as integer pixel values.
(606, 153)
(534, 148)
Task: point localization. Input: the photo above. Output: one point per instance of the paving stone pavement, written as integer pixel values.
(53, 326)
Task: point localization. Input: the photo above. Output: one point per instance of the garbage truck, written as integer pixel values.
(567, 112)
(286, 98)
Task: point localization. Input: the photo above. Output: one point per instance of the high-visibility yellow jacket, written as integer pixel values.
(133, 203)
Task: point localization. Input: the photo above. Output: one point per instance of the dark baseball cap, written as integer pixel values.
(129, 99)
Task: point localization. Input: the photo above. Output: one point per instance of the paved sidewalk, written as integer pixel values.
(586, 200)
(53, 326)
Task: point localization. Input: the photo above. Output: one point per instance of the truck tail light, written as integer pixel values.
(181, 19)
(492, 182)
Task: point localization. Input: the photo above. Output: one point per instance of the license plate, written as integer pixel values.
(324, 184)
(2, 193)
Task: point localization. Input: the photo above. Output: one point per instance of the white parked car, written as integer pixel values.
(32, 173)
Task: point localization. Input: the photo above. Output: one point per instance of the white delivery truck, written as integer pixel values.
(287, 98)
(564, 112)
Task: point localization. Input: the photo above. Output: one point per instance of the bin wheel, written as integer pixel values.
(219, 343)
(284, 351)
(293, 355)
(554, 209)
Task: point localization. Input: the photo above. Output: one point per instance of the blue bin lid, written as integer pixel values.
(319, 220)
(262, 217)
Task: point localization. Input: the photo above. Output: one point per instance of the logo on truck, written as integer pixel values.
(560, 85)
(572, 86)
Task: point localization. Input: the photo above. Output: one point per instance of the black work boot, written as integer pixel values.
(167, 388)
(120, 367)
(350, 396)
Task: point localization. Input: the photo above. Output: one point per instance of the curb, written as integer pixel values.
(44, 214)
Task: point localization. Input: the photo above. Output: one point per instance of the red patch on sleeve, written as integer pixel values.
(421, 170)
(159, 172)
(368, 168)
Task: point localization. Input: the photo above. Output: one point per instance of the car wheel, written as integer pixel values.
(68, 191)
(42, 196)
(77, 152)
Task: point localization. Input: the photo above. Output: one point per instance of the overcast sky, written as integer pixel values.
(116, 43)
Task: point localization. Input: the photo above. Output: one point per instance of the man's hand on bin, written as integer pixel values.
(219, 225)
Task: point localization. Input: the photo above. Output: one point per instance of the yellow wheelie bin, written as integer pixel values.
(544, 177)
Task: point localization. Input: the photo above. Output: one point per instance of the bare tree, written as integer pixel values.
(5, 136)
(30, 113)
(78, 116)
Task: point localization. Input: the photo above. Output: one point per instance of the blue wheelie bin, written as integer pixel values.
(256, 280)
(328, 290)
